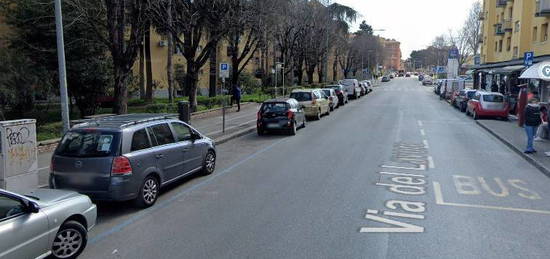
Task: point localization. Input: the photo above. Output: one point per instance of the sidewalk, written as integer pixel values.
(514, 137)
(209, 123)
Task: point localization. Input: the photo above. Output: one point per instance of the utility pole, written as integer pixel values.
(62, 70)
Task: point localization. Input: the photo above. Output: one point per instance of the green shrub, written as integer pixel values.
(157, 108)
(136, 102)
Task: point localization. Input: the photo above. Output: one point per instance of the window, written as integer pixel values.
(516, 52)
(10, 207)
(275, 107)
(516, 26)
(87, 143)
(500, 46)
(140, 140)
(496, 46)
(183, 132)
(535, 33)
(544, 32)
(508, 43)
(301, 96)
(163, 134)
(493, 98)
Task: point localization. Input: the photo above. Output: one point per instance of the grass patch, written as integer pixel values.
(50, 130)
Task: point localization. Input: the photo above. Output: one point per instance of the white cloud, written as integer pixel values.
(414, 23)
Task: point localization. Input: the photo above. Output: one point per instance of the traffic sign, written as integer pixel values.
(224, 70)
(477, 60)
(453, 53)
(528, 58)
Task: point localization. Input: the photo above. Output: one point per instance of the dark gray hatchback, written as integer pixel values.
(129, 157)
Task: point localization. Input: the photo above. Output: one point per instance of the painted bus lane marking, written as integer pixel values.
(408, 182)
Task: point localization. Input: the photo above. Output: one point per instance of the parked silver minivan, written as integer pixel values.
(129, 157)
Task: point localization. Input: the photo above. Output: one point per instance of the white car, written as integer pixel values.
(44, 223)
(352, 88)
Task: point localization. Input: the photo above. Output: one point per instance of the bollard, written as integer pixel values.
(183, 111)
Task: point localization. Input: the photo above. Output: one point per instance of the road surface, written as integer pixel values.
(397, 174)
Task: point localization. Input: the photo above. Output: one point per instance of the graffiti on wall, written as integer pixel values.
(20, 149)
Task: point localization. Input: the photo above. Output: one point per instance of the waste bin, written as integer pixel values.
(18, 155)
(183, 111)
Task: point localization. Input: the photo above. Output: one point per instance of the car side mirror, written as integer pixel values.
(195, 136)
(32, 207)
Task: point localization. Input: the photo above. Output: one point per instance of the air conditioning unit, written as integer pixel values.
(163, 43)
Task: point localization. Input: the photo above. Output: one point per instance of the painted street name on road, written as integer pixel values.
(412, 157)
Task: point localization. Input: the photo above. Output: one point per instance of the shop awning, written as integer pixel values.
(536, 71)
(508, 69)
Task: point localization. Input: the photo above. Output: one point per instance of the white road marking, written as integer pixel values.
(439, 201)
(403, 215)
(431, 163)
(403, 174)
(422, 132)
(372, 211)
(420, 123)
(43, 168)
(426, 145)
(421, 168)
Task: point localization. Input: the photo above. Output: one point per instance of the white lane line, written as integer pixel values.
(431, 163)
(439, 201)
(43, 168)
(422, 132)
(420, 123)
(426, 145)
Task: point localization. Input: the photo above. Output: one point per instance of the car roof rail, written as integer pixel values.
(124, 121)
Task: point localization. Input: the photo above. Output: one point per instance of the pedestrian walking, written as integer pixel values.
(542, 131)
(532, 122)
(237, 97)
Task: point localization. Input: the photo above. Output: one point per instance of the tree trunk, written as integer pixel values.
(320, 73)
(191, 84)
(212, 88)
(141, 73)
(335, 70)
(148, 65)
(121, 92)
(234, 65)
(169, 62)
(310, 73)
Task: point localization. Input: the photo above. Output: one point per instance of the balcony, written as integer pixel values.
(499, 30)
(543, 8)
(507, 25)
(501, 3)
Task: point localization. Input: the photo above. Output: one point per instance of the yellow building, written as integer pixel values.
(510, 29)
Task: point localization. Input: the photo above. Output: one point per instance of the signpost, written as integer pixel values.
(224, 74)
(528, 58)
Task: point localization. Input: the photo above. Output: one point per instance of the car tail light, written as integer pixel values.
(290, 114)
(314, 101)
(121, 166)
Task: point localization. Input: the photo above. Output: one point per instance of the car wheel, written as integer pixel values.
(304, 123)
(318, 116)
(292, 130)
(209, 164)
(70, 240)
(474, 115)
(148, 192)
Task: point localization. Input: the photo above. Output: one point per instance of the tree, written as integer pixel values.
(88, 75)
(121, 26)
(197, 27)
(472, 28)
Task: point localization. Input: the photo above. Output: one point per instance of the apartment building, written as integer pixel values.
(510, 29)
(392, 54)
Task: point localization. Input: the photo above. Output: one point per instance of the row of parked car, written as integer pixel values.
(288, 114)
(475, 103)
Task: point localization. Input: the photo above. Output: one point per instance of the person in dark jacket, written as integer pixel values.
(532, 122)
(237, 97)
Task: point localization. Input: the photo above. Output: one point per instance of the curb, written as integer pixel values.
(240, 133)
(529, 159)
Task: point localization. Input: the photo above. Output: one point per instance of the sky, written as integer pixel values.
(415, 23)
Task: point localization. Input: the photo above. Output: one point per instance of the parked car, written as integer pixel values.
(341, 93)
(352, 88)
(391, 76)
(129, 157)
(364, 89)
(427, 81)
(44, 222)
(283, 114)
(487, 104)
(420, 78)
(313, 102)
(385, 79)
(461, 100)
(408, 74)
(332, 98)
(369, 85)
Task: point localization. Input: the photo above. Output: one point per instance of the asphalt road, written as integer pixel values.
(397, 174)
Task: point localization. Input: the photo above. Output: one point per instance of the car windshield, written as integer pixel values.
(275, 107)
(493, 98)
(87, 143)
(347, 82)
(301, 96)
(471, 94)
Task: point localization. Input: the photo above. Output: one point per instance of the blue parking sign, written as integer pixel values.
(528, 58)
(224, 66)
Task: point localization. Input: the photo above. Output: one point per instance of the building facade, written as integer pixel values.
(392, 54)
(510, 29)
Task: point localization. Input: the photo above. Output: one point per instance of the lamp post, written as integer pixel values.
(61, 63)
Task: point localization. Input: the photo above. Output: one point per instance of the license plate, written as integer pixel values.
(272, 125)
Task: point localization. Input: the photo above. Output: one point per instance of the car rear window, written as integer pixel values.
(471, 94)
(493, 98)
(275, 107)
(327, 92)
(301, 96)
(88, 143)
